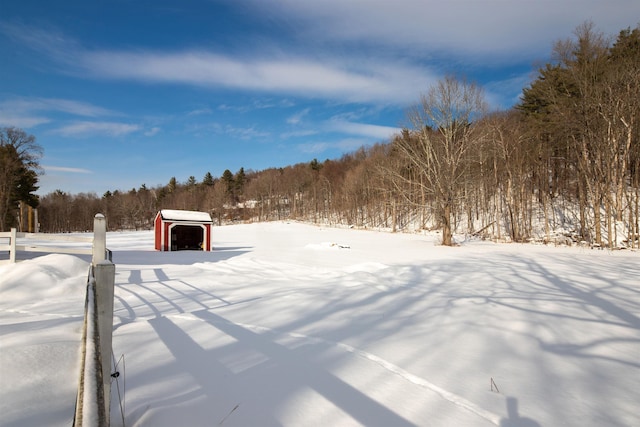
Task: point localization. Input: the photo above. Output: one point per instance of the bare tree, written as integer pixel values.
(443, 130)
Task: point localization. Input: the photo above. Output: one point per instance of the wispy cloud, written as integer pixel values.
(501, 92)
(200, 112)
(336, 78)
(93, 128)
(11, 119)
(25, 112)
(152, 131)
(68, 106)
(361, 81)
(313, 147)
(236, 132)
(245, 133)
(297, 117)
(487, 30)
(298, 133)
(50, 41)
(373, 131)
(49, 168)
(258, 104)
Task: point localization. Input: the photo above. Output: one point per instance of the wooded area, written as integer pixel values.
(564, 164)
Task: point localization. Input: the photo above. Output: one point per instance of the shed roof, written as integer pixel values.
(179, 215)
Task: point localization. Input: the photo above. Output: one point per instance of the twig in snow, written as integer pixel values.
(494, 385)
(227, 416)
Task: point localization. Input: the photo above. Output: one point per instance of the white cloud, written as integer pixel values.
(314, 147)
(21, 120)
(344, 78)
(298, 133)
(373, 131)
(354, 80)
(200, 112)
(259, 104)
(347, 51)
(92, 128)
(25, 112)
(46, 40)
(77, 108)
(297, 117)
(245, 133)
(501, 92)
(152, 131)
(49, 168)
(492, 28)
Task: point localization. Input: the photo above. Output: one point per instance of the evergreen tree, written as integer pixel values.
(171, 187)
(229, 183)
(240, 180)
(208, 179)
(315, 165)
(19, 169)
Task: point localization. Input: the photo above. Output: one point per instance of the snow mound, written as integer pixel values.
(49, 276)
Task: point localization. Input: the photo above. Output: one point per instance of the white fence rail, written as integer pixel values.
(93, 399)
(14, 241)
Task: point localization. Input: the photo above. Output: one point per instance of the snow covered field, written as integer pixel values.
(287, 324)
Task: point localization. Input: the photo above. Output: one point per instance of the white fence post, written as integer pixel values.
(105, 273)
(12, 249)
(99, 239)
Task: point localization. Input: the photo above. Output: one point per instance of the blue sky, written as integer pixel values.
(121, 93)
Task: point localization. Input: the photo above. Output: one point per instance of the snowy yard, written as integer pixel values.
(295, 325)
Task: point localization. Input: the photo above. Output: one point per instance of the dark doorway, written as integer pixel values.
(187, 237)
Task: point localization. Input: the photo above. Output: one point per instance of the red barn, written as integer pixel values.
(177, 230)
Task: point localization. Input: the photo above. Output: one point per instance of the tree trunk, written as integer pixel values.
(447, 237)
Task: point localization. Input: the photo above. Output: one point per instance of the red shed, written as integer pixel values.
(177, 230)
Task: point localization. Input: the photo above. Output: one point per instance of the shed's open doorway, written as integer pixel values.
(187, 237)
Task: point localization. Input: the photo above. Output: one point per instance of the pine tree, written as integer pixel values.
(229, 184)
(208, 179)
(240, 179)
(19, 169)
(171, 187)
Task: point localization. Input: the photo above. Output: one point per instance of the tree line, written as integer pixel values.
(564, 163)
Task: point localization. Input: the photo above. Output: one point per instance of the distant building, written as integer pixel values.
(177, 230)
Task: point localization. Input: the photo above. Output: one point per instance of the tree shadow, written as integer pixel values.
(369, 310)
(222, 389)
(514, 419)
(150, 257)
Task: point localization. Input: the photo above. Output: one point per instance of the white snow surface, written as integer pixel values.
(288, 324)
